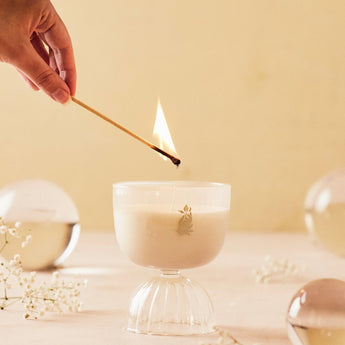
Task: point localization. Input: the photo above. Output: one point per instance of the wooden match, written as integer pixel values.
(175, 160)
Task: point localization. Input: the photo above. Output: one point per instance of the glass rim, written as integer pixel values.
(170, 184)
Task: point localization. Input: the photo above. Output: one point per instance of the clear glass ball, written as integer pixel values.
(43, 223)
(325, 211)
(316, 315)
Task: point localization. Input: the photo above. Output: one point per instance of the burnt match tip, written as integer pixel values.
(176, 161)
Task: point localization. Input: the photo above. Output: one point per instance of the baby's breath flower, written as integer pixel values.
(54, 296)
(16, 231)
(80, 306)
(13, 232)
(26, 241)
(274, 269)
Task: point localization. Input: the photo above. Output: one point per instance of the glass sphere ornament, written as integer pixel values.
(316, 315)
(325, 211)
(47, 216)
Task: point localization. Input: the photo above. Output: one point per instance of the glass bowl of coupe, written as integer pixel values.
(170, 226)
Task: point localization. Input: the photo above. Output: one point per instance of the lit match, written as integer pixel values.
(175, 160)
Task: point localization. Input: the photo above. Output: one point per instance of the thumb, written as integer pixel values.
(37, 70)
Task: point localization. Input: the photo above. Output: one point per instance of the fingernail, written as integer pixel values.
(63, 75)
(60, 95)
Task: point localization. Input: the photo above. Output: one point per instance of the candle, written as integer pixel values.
(171, 226)
(153, 236)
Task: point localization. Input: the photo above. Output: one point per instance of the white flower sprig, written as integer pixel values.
(9, 273)
(16, 231)
(55, 296)
(37, 298)
(275, 269)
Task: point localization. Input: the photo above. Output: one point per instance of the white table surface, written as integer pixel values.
(254, 313)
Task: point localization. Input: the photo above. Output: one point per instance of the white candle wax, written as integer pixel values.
(149, 235)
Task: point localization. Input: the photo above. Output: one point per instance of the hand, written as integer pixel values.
(26, 27)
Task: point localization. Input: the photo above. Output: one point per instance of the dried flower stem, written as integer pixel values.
(5, 242)
(11, 299)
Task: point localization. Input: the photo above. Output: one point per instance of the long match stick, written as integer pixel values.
(175, 160)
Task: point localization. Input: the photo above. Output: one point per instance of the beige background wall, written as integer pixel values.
(253, 92)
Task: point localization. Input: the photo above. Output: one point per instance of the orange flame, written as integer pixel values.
(161, 132)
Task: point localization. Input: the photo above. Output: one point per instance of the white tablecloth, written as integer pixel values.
(253, 313)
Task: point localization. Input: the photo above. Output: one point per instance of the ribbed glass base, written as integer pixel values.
(171, 305)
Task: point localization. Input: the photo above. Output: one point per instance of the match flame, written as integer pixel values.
(161, 132)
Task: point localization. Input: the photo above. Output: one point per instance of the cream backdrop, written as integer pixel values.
(253, 92)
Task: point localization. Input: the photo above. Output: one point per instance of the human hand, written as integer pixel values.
(24, 26)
